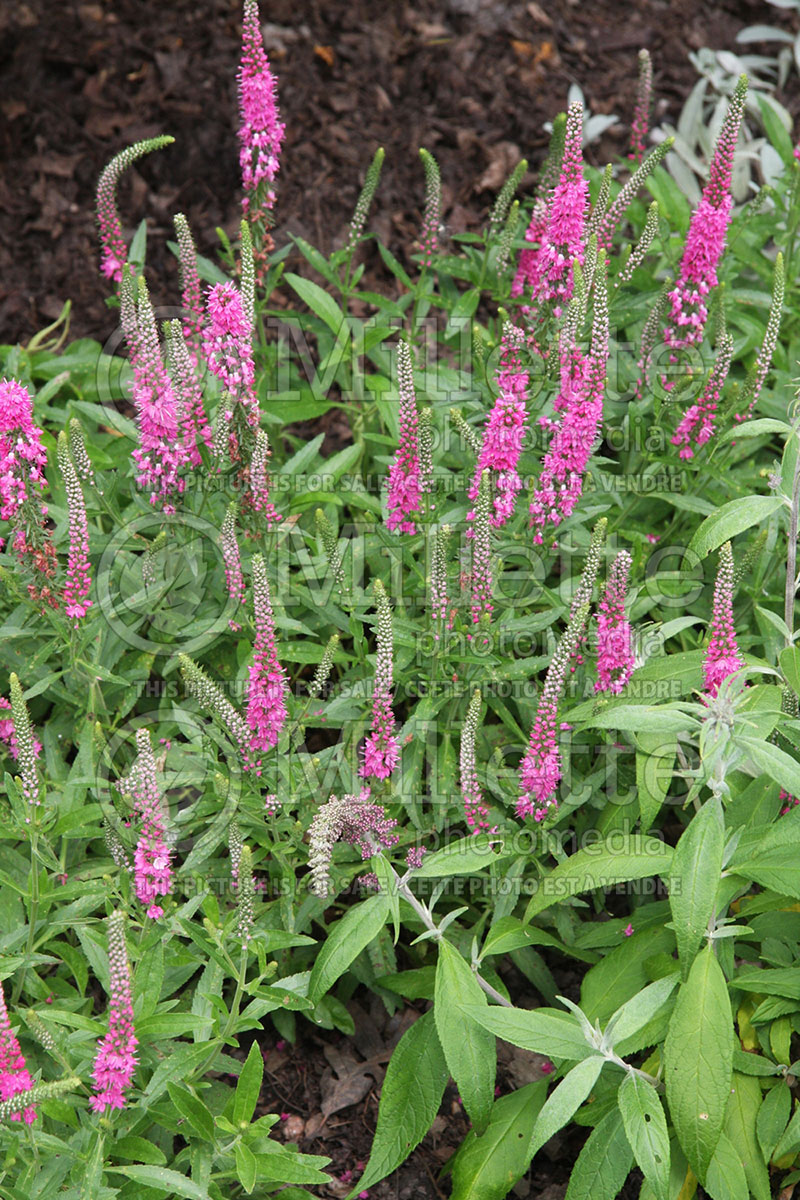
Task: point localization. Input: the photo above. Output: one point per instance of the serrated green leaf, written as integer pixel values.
(345, 942)
(732, 518)
(694, 878)
(619, 860)
(543, 1030)
(248, 1087)
(487, 1167)
(603, 1164)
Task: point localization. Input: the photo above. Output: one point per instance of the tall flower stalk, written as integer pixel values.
(381, 751)
(615, 657)
(505, 430)
(115, 1061)
(640, 125)
(267, 686)
(404, 498)
(76, 589)
(475, 811)
(722, 657)
(432, 214)
(113, 251)
(261, 133)
(153, 857)
(540, 770)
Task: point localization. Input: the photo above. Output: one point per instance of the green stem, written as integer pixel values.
(33, 916)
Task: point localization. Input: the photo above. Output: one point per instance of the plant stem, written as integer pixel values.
(33, 915)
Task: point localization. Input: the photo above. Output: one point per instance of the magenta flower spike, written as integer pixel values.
(14, 1075)
(505, 430)
(153, 857)
(228, 348)
(579, 413)
(705, 240)
(540, 769)
(615, 657)
(404, 497)
(381, 751)
(23, 459)
(261, 130)
(699, 420)
(722, 656)
(113, 251)
(640, 125)
(267, 686)
(76, 589)
(115, 1061)
(564, 235)
(161, 453)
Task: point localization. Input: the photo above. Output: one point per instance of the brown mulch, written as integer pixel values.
(473, 80)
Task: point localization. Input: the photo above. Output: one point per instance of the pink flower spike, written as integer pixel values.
(261, 130)
(115, 1061)
(563, 242)
(381, 751)
(505, 430)
(14, 1075)
(114, 252)
(404, 498)
(153, 856)
(641, 114)
(267, 686)
(615, 657)
(191, 294)
(700, 418)
(722, 657)
(228, 348)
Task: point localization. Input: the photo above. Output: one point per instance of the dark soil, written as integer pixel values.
(473, 80)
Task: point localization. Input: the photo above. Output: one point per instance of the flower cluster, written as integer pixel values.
(191, 294)
(381, 751)
(228, 349)
(22, 480)
(15, 1078)
(115, 1061)
(722, 657)
(27, 748)
(267, 686)
(615, 657)
(353, 819)
(232, 560)
(481, 574)
(563, 237)
(700, 418)
(258, 495)
(432, 215)
(404, 498)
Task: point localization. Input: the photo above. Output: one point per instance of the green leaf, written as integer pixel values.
(698, 1060)
(193, 1110)
(694, 878)
(637, 1012)
(758, 428)
(774, 762)
(565, 1100)
(732, 518)
(469, 1048)
(603, 1164)
(790, 1139)
(725, 1178)
(345, 942)
(320, 303)
(487, 1167)
(655, 764)
(622, 858)
(646, 1130)
(248, 1087)
(789, 660)
(246, 1166)
(770, 981)
(410, 1098)
(773, 1117)
(163, 1180)
(640, 718)
(543, 1030)
(465, 857)
(138, 1149)
(740, 1127)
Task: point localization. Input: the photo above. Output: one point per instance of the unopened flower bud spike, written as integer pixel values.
(432, 215)
(364, 202)
(330, 546)
(114, 252)
(501, 206)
